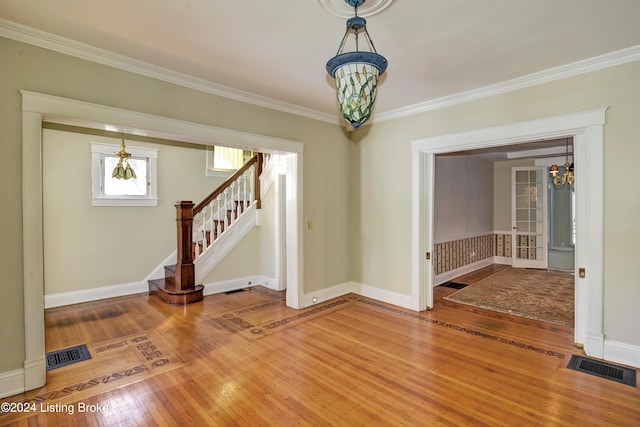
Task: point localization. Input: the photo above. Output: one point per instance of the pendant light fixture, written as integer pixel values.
(357, 72)
(123, 171)
(567, 177)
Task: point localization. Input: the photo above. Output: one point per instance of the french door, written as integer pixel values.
(529, 217)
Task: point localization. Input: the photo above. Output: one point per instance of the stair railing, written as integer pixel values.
(217, 212)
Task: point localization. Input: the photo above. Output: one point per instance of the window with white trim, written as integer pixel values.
(224, 161)
(110, 191)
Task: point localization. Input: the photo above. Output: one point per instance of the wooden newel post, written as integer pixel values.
(185, 270)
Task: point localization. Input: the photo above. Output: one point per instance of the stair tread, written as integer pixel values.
(169, 287)
(164, 282)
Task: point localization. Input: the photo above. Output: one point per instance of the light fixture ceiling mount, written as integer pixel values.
(356, 73)
(342, 8)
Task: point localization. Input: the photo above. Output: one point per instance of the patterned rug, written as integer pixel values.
(536, 294)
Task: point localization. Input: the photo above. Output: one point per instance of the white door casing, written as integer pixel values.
(587, 129)
(37, 107)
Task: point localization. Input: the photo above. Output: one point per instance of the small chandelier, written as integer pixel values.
(121, 171)
(356, 73)
(568, 178)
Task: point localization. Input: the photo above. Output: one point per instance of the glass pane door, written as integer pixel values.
(529, 217)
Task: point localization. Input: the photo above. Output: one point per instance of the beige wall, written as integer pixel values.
(385, 174)
(88, 246)
(327, 155)
(242, 261)
(358, 194)
(463, 198)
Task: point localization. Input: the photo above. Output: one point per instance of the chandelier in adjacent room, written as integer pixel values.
(567, 177)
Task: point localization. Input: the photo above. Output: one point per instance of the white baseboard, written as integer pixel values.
(389, 297)
(35, 373)
(594, 346)
(623, 353)
(503, 260)
(11, 383)
(86, 295)
(326, 294)
(231, 285)
(445, 277)
(401, 300)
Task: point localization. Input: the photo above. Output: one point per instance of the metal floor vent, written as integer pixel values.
(604, 370)
(67, 356)
(453, 285)
(235, 291)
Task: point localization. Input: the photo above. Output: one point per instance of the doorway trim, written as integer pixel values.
(37, 107)
(587, 128)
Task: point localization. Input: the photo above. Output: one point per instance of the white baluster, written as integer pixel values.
(244, 191)
(214, 225)
(219, 218)
(239, 187)
(226, 203)
(196, 226)
(230, 205)
(203, 233)
(251, 184)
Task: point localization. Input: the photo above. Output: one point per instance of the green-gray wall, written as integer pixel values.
(357, 190)
(384, 203)
(327, 156)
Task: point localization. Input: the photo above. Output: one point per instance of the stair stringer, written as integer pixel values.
(221, 247)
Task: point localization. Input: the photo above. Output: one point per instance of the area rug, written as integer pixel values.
(535, 294)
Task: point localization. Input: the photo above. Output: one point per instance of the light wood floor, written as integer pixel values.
(246, 359)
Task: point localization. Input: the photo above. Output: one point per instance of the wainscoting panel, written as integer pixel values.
(458, 253)
(503, 245)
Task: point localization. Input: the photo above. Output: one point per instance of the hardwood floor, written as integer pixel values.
(246, 359)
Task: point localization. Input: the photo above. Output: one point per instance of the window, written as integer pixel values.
(223, 161)
(109, 191)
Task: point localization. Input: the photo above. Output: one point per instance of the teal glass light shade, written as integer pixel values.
(356, 73)
(356, 84)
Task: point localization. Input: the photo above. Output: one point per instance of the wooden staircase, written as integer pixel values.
(198, 227)
(170, 293)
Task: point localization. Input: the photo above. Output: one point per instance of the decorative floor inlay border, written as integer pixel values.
(280, 295)
(469, 331)
(316, 310)
(94, 382)
(258, 307)
(251, 329)
(144, 346)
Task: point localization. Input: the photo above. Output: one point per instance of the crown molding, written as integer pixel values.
(607, 60)
(24, 34)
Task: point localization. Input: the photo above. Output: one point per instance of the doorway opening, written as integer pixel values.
(490, 214)
(37, 108)
(586, 128)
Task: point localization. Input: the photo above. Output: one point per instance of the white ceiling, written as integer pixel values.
(277, 50)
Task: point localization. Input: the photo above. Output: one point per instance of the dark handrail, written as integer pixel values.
(228, 183)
